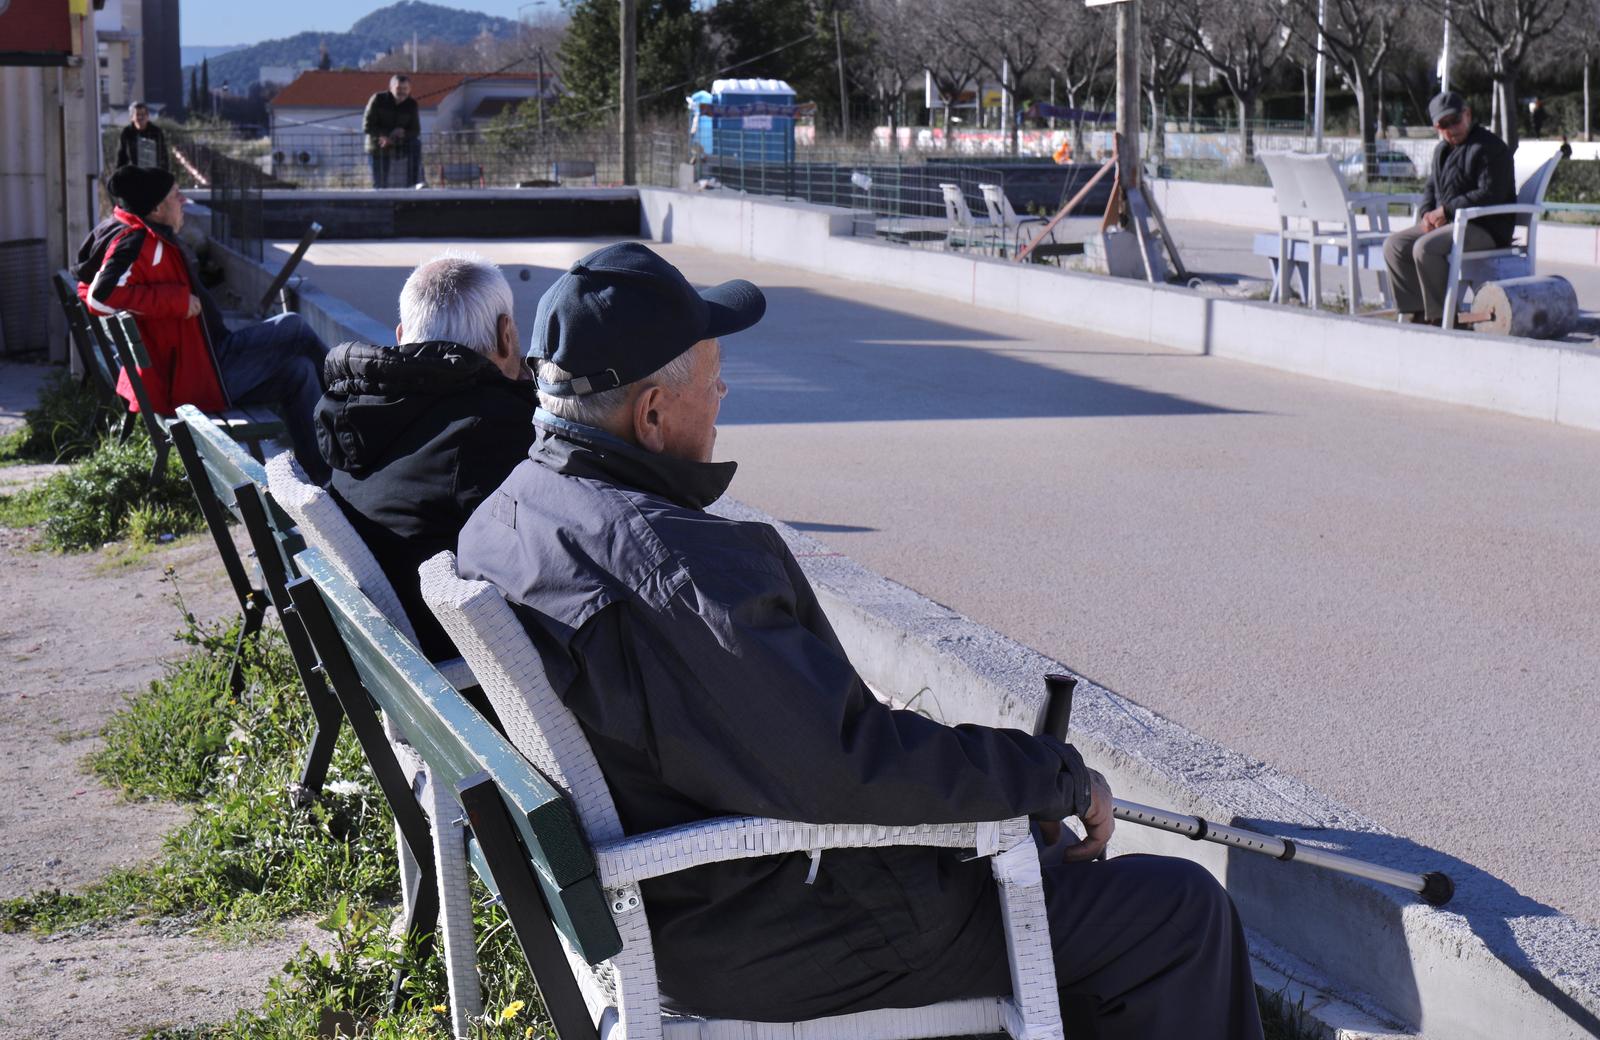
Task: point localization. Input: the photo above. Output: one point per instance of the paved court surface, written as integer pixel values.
(1393, 599)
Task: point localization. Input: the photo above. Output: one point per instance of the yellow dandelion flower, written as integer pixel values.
(512, 1010)
(440, 1009)
(527, 1034)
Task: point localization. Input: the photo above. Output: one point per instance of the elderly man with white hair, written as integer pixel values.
(418, 434)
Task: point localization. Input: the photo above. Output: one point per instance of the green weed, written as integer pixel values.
(106, 497)
(64, 425)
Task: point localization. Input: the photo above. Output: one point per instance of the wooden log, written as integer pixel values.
(1535, 307)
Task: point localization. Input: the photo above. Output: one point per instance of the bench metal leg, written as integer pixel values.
(357, 703)
(254, 611)
(525, 907)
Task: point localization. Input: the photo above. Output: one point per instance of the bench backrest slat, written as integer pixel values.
(459, 744)
(86, 339)
(227, 464)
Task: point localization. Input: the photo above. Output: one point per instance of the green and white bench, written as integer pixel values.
(491, 811)
(228, 483)
(94, 350)
(250, 425)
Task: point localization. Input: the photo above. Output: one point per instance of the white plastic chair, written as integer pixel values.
(965, 229)
(622, 993)
(1334, 213)
(1292, 215)
(324, 526)
(1010, 225)
(1472, 268)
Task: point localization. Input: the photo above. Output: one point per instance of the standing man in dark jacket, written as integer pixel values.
(141, 142)
(1471, 167)
(696, 657)
(418, 434)
(393, 131)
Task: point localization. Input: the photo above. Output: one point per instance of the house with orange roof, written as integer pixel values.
(316, 120)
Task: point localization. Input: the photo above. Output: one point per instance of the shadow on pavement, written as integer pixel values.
(818, 358)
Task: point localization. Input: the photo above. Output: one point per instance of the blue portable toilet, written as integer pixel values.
(748, 119)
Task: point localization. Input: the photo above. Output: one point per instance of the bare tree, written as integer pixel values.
(1503, 35)
(1357, 38)
(945, 54)
(1243, 41)
(1165, 59)
(897, 36)
(1008, 39)
(1082, 48)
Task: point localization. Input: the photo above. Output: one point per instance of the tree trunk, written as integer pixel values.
(1368, 135)
(1247, 112)
(1587, 136)
(1158, 125)
(1507, 88)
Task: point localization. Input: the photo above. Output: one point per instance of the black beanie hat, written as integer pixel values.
(140, 189)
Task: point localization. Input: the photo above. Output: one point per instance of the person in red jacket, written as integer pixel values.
(133, 261)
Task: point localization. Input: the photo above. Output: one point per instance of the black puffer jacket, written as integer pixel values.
(417, 435)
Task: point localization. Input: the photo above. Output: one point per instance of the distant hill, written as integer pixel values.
(383, 30)
(191, 55)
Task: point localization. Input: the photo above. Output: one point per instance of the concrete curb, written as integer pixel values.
(1555, 382)
(1494, 964)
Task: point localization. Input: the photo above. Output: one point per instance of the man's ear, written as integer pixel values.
(399, 334)
(648, 431)
(505, 336)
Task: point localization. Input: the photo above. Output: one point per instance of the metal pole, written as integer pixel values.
(1318, 112)
(629, 99)
(1128, 123)
(844, 98)
(541, 95)
(1444, 58)
(1587, 61)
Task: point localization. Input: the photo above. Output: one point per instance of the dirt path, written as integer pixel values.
(76, 634)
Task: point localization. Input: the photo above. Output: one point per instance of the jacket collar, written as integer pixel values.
(575, 450)
(135, 221)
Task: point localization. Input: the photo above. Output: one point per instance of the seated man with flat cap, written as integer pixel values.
(1471, 167)
(694, 653)
(134, 261)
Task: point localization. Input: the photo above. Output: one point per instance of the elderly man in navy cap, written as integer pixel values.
(1471, 167)
(694, 654)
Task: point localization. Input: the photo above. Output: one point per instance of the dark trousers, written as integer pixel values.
(1146, 947)
(380, 159)
(278, 363)
(1419, 265)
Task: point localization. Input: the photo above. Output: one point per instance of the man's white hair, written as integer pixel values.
(600, 409)
(457, 297)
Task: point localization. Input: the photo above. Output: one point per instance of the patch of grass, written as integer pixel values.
(106, 497)
(247, 857)
(1281, 1020)
(64, 425)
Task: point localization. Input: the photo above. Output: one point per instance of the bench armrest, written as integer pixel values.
(641, 857)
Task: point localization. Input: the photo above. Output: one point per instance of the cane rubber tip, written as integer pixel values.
(1437, 888)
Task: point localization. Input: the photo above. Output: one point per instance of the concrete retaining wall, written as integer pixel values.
(1550, 381)
(1493, 965)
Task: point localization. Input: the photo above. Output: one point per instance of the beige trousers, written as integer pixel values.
(1419, 264)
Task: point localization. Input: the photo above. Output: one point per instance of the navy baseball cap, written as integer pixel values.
(622, 312)
(1445, 106)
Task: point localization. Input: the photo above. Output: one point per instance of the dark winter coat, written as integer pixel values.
(384, 115)
(128, 264)
(694, 653)
(417, 435)
(128, 146)
(1478, 173)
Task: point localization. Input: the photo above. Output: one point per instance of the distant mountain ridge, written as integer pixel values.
(383, 30)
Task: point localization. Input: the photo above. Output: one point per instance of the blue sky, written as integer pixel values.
(215, 22)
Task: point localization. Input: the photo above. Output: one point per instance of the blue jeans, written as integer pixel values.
(278, 363)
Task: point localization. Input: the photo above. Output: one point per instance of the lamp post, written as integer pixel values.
(1318, 103)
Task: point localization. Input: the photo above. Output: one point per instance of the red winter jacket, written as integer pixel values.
(128, 265)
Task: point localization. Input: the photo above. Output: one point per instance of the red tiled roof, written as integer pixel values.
(316, 88)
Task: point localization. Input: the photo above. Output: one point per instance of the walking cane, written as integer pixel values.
(1434, 887)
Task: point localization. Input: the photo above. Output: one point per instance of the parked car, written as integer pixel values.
(1392, 166)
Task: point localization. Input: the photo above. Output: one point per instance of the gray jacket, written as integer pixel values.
(694, 653)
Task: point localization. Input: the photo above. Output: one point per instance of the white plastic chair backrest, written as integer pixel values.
(1322, 187)
(1285, 184)
(1530, 191)
(503, 659)
(323, 525)
(994, 200)
(955, 205)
